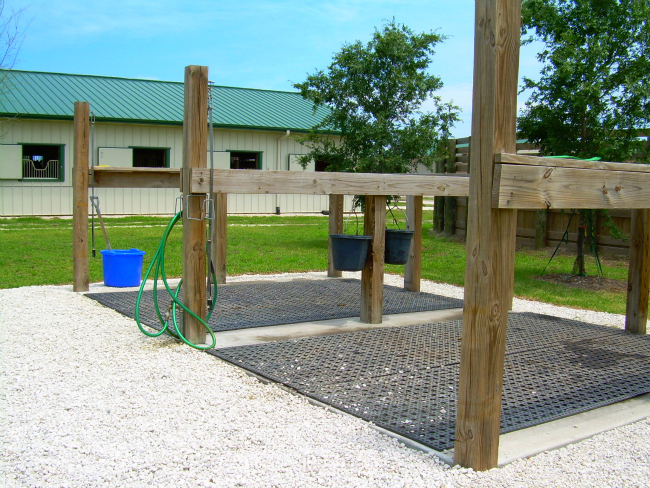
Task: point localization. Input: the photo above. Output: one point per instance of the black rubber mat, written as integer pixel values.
(405, 379)
(245, 305)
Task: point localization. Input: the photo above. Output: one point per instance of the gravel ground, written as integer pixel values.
(87, 400)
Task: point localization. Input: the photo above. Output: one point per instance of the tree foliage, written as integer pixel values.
(593, 95)
(594, 91)
(374, 93)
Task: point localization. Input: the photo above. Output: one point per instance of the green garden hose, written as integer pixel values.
(158, 262)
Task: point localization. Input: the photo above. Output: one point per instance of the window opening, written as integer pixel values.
(147, 157)
(321, 164)
(244, 160)
(42, 162)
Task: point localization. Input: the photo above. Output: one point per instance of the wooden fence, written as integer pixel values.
(538, 228)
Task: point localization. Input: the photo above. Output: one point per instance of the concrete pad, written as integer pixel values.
(275, 333)
(559, 433)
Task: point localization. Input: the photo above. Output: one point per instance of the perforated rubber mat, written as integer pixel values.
(245, 305)
(405, 379)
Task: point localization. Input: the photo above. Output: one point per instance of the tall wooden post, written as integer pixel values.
(372, 276)
(81, 276)
(439, 204)
(450, 202)
(220, 236)
(335, 227)
(490, 236)
(413, 268)
(638, 280)
(195, 137)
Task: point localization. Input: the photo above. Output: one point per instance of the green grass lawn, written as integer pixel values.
(38, 251)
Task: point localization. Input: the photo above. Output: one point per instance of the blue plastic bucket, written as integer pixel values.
(398, 245)
(349, 252)
(122, 267)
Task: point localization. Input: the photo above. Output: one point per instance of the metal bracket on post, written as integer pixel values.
(204, 208)
(208, 208)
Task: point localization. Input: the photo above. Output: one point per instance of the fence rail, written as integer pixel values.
(537, 228)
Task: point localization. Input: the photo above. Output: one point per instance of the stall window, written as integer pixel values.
(245, 160)
(42, 161)
(150, 157)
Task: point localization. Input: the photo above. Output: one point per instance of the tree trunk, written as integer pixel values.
(579, 264)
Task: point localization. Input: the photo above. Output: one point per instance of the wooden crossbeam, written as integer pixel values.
(136, 177)
(519, 186)
(569, 163)
(293, 182)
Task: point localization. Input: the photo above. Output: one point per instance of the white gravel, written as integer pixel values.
(87, 400)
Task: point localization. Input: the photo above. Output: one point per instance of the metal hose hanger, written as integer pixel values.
(210, 203)
(94, 200)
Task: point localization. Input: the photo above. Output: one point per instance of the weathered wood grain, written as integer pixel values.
(137, 177)
(335, 227)
(638, 281)
(569, 163)
(490, 236)
(413, 267)
(539, 187)
(372, 276)
(300, 182)
(80, 271)
(195, 123)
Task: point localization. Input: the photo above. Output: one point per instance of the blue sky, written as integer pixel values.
(264, 44)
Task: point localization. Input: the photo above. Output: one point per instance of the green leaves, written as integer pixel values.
(594, 89)
(374, 92)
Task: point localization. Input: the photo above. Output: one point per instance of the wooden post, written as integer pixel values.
(195, 137)
(490, 236)
(81, 276)
(219, 236)
(541, 228)
(372, 276)
(638, 281)
(413, 268)
(439, 204)
(450, 202)
(335, 227)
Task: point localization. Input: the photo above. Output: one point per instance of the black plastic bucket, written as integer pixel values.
(349, 252)
(398, 244)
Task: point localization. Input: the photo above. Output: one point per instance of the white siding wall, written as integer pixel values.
(55, 198)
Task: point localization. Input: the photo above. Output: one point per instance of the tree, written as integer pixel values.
(11, 35)
(374, 93)
(593, 95)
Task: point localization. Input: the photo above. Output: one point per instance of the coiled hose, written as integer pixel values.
(158, 262)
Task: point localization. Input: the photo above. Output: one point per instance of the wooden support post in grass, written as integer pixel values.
(335, 227)
(450, 202)
(413, 268)
(81, 277)
(439, 204)
(219, 236)
(372, 276)
(638, 281)
(490, 236)
(541, 228)
(195, 137)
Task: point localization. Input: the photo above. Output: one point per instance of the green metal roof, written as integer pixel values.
(30, 94)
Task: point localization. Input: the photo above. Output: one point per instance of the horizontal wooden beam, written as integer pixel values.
(309, 183)
(537, 186)
(136, 177)
(569, 163)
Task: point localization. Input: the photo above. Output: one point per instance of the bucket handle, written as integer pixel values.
(353, 211)
(390, 210)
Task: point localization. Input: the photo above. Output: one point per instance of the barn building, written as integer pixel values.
(139, 123)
